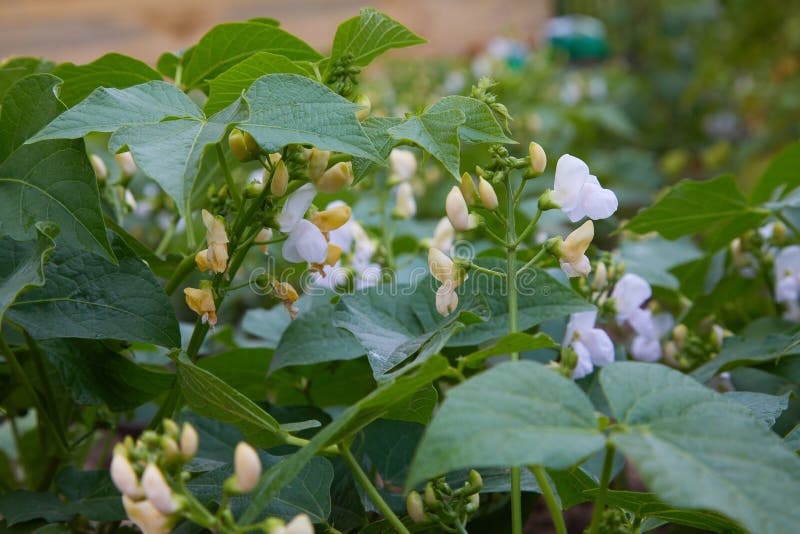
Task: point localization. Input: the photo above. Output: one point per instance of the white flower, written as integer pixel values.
(301, 524)
(189, 440)
(451, 276)
(403, 163)
(646, 345)
(405, 205)
(787, 275)
(578, 193)
(124, 477)
(305, 242)
(592, 345)
(630, 292)
(157, 490)
(146, 516)
(457, 210)
(247, 466)
(571, 252)
(443, 235)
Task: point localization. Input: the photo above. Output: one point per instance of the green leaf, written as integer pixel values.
(716, 209)
(228, 44)
(541, 298)
(781, 173)
(314, 338)
(764, 407)
(517, 413)
(695, 449)
(243, 369)
(16, 68)
(653, 258)
(287, 108)
(96, 375)
(739, 351)
(516, 342)
(49, 181)
(792, 439)
(377, 129)
(229, 86)
(85, 296)
(648, 505)
(370, 408)
(370, 34)
(22, 265)
(91, 494)
(209, 396)
(111, 70)
(437, 133)
(21, 505)
(481, 126)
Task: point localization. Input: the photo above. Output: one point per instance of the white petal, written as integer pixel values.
(600, 346)
(664, 323)
(571, 174)
(787, 289)
(646, 349)
(578, 323)
(295, 207)
(305, 243)
(568, 270)
(630, 292)
(641, 320)
(598, 203)
(584, 366)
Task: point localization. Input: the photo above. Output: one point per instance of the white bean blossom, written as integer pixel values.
(578, 193)
(592, 345)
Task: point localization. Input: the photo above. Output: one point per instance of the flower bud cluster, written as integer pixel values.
(440, 504)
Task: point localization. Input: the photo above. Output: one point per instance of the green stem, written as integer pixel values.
(788, 222)
(528, 229)
(536, 257)
(513, 326)
(46, 417)
(550, 498)
(184, 268)
(233, 191)
(365, 483)
(605, 479)
(484, 270)
(166, 239)
(497, 239)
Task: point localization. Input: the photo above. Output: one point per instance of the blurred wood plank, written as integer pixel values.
(82, 30)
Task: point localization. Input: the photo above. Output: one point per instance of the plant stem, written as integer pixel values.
(166, 238)
(233, 191)
(184, 268)
(484, 270)
(605, 479)
(528, 229)
(533, 260)
(365, 483)
(550, 498)
(513, 326)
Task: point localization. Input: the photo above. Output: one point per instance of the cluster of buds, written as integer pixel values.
(442, 505)
(137, 470)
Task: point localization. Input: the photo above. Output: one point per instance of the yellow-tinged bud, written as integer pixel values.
(441, 266)
(332, 218)
(679, 334)
(475, 480)
(335, 178)
(126, 163)
(217, 239)
(170, 449)
(264, 235)
(474, 502)
(415, 508)
(363, 100)
(189, 440)
(288, 295)
(280, 180)
(317, 162)
(538, 158)
(243, 145)
(430, 495)
(124, 477)
(157, 490)
(468, 188)
(300, 524)
(99, 167)
(146, 516)
(571, 252)
(600, 277)
(456, 208)
(778, 231)
(488, 196)
(247, 467)
(170, 427)
(201, 259)
(254, 188)
(201, 301)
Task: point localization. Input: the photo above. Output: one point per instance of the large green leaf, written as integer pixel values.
(517, 413)
(111, 70)
(22, 265)
(243, 369)
(314, 338)
(228, 44)
(370, 34)
(716, 209)
(21, 505)
(377, 129)
(541, 298)
(372, 407)
(764, 407)
(90, 494)
(209, 396)
(437, 133)
(16, 68)
(164, 130)
(49, 181)
(782, 172)
(287, 108)
(230, 85)
(85, 296)
(698, 450)
(95, 375)
(480, 126)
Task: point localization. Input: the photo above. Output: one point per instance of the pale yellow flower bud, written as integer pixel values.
(170, 449)
(146, 516)
(600, 277)
(488, 196)
(99, 167)
(247, 467)
(201, 259)
(286, 293)
(332, 218)
(243, 146)
(217, 240)
(446, 299)
(572, 251)
(457, 211)
(301, 524)
(124, 476)
(264, 235)
(280, 180)
(405, 204)
(441, 266)
(416, 510)
(126, 163)
(335, 178)
(317, 162)
(201, 301)
(189, 440)
(468, 188)
(363, 100)
(157, 490)
(443, 235)
(538, 157)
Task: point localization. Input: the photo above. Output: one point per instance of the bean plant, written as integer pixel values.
(237, 296)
